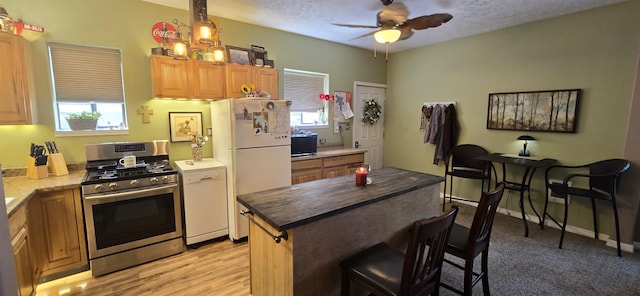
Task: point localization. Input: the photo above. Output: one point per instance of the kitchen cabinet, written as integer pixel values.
(195, 79)
(15, 105)
(263, 78)
(169, 77)
(266, 79)
(342, 165)
(325, 165)
(25, 271)
(306, 170)
(57, 231)
(207, 80)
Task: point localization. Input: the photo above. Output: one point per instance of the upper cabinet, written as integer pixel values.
(237, 75)
(186, 79)
(265, 79)
(205, 80)
(15, 106)
(169, 77)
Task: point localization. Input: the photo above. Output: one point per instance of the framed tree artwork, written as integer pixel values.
(541, 111)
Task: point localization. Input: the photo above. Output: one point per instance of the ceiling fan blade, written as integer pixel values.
(365, 35)
(356, 26)
(405, 33)
(427, 21)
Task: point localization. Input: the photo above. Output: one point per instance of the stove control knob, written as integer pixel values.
(113, 186)
(154, 180)
(98, 187)
(165, 179)
(134, 182)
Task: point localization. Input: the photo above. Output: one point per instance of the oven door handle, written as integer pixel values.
(134, 194)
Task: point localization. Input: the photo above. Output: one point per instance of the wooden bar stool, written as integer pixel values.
(383, 270)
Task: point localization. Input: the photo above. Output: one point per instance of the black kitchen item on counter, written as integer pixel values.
(37, 152)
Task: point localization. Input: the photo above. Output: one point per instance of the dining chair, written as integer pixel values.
(462, 163)
(384, 270)
(603, 178)
(468, 243)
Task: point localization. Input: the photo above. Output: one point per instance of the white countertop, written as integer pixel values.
(193, 165)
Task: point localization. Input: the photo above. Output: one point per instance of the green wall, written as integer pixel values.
(126, 24)
(595, 51)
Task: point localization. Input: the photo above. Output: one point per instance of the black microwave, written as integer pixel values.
(304, 144)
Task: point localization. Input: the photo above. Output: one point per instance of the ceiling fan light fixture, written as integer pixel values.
(387, 35)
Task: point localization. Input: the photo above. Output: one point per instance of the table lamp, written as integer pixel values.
(525, 138)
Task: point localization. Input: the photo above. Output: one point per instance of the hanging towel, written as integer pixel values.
(434, 125)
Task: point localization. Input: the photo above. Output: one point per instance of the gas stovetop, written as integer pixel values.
(106, 171)
(113, 179)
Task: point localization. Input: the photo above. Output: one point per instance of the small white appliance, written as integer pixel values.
(204, 194)
(252, 137)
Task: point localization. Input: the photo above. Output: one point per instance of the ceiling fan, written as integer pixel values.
(393, 23)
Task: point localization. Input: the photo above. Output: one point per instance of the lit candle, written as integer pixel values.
(361, 176)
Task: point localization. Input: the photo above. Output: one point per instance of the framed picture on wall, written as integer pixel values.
(239, 55)
(541, 111)
(184, 125)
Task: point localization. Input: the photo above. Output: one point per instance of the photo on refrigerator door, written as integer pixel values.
(244, 115)
(261, 122)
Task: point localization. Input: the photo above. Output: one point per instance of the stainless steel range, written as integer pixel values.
(131, 205)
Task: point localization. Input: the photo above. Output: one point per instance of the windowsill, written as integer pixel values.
(91, 133)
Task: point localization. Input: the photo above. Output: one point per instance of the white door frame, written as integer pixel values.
(357, 125)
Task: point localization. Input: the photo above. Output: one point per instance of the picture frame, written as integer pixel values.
(538, 111)
(259, 55)
(183, 125)
(239, 55)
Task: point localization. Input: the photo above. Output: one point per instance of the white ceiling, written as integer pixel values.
(314, 18)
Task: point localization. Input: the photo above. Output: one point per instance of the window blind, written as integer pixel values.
(86, 73)
(303, 88)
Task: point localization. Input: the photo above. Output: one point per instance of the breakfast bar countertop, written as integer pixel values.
(289, 207)
(322, 153)
(21, 188)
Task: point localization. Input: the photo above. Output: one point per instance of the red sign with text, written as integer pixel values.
(163, 32)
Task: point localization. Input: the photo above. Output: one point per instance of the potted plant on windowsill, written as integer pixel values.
(83, 120)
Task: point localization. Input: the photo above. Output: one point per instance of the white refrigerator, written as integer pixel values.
(252, 138)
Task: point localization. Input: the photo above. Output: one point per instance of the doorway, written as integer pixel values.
(365, 135)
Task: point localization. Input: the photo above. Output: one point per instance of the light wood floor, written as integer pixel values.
(218, 268)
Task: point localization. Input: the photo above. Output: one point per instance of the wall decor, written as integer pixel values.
(145, 112)
(239, 55)
(341, 106)
(259, 55)
(541, 111)
(184, 125)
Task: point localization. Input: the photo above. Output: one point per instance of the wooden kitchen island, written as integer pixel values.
(327, 220)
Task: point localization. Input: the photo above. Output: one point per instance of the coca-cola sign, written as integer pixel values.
(163, 32)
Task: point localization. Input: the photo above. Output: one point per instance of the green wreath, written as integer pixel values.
(371, 112)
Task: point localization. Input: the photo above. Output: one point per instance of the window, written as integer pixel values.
(302, 88)
(87, 78)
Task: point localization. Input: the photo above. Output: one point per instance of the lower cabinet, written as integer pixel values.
(306, 170)
(57, 232)
(22, 256)
(325, 167)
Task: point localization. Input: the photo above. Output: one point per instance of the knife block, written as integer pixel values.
(36, 172)
(57, 164)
